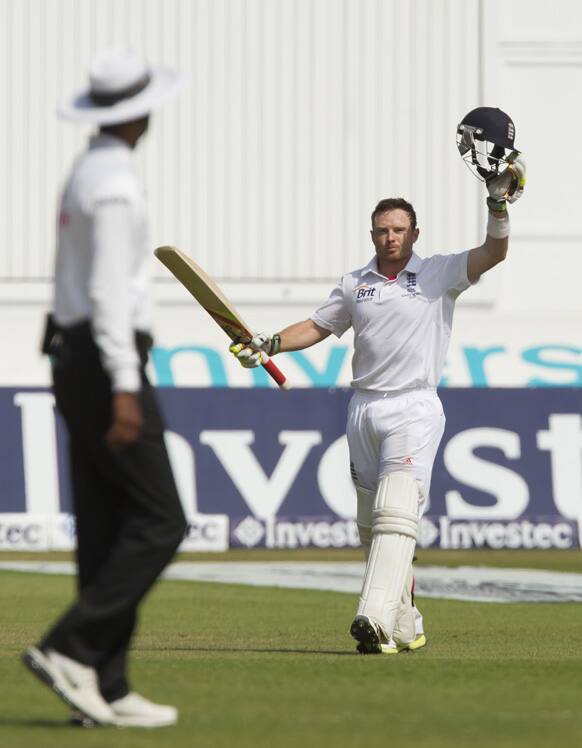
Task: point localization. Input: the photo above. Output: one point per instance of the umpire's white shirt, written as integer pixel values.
(401, 327)
(103, 256)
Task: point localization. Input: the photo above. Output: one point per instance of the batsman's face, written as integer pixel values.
(393, 236)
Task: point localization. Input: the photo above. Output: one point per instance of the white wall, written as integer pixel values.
(533, 69)
(300, 114)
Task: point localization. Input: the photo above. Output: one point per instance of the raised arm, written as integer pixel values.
(491, 252)
(506, 187)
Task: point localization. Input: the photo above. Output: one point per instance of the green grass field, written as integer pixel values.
(270, 667)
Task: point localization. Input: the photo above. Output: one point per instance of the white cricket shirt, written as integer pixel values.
(103, 261)
(401, 327)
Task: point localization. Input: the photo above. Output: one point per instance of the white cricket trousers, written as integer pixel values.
(394, 431)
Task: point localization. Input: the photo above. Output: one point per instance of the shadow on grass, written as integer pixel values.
(256, 650)
(40, 723)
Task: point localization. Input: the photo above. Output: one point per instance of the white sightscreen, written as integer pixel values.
(299, 116)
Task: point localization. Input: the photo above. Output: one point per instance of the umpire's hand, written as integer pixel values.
(127, 421)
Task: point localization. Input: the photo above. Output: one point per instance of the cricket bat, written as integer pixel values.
(210, 297)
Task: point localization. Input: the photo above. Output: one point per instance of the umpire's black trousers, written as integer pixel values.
(129, 517)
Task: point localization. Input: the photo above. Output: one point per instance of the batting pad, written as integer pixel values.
(364, 518)
(394, 527)
(405, 628)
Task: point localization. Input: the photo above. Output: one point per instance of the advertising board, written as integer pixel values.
(261, 468)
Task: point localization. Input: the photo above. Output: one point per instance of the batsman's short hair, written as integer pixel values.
(395, 203)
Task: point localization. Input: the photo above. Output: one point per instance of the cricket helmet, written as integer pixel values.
(485, 139)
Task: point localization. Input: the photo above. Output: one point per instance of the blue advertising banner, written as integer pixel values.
(263, 468)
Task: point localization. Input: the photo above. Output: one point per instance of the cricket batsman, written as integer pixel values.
(401, 310)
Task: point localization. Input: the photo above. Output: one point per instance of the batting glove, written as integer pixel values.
(507, 187)
(256, 351)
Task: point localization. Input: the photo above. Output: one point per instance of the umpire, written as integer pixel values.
(128, 513)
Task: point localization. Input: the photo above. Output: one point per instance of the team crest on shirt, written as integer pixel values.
(410, 287)
(364, 292)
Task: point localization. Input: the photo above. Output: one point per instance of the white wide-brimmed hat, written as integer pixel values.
(122, 88)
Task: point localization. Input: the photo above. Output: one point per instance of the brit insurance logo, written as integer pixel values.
(364, 293)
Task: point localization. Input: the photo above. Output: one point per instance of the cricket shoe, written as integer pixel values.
(74, 683)
(420, 638)
(393, 647)
(367, 633)
(134, 710)
(419, 641)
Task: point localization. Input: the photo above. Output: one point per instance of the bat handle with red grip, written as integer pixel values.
(276, 373)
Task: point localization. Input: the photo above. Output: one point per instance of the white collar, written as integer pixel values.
(412, 266)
